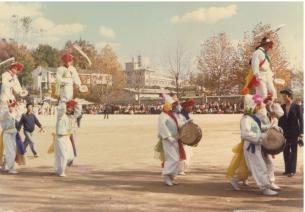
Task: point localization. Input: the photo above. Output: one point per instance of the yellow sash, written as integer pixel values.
(238, 164)
(159, 151)
(51, 147)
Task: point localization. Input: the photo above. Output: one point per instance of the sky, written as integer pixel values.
(152, 29)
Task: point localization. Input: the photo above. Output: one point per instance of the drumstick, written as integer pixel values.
(12, 59)
(78, 48)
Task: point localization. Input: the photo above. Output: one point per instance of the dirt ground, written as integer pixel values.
(115, 171)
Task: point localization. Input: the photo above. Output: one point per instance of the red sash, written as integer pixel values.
(181, 148)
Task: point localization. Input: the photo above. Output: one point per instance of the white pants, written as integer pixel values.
(270, 167)
(266, 85)
(185, 164)
(10, 150)
(257, 166)
(66, 93)
(172, 158)
(63, 153)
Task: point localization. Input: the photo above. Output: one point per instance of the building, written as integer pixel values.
(44, 78)
(138, 76)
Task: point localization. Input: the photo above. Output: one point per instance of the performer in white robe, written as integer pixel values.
(168, 132)
(11, 83)
(66, 77)
(253, 137)
(266, 123)
(64, 153)
(260, 64)
(8, 125)
(183, 118)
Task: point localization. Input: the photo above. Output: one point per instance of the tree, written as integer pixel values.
(107, 63)
(178, 65)
(298, 83)
(46, 56)
(216, 63)
(199, 81)
(26, 25)
(22, 55)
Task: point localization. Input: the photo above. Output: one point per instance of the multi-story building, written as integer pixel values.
(138, 76)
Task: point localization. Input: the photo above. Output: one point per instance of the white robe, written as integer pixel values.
(63, 147)
(167, 128)
(9, 83)
(66, 77)
(9, 139)
(185, 164)
(263, 73)
(251, 134)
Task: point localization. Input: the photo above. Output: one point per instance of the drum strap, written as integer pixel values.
(73, 144)
(185, 114)
(251, 146)
(257, 121)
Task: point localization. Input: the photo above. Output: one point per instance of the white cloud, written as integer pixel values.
(106, 31)
(7, 10)
(42, 30)
(209, 15)
(6, 31)
(42, 23)
(59, 30)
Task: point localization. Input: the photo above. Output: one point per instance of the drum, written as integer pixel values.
(83, 89)
(274, 142)
(190, 134)
(24, 93)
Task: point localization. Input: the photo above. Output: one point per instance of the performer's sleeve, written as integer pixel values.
(5, 79)
(7, 82)
(281, 119)
(4, 114)
(20, 123)
(17, 87)
(181, 121)
(61, 128)
(246, 133)
(300, 118)
(76, 79)
(162, 128)
(255, 63)
(278, 110)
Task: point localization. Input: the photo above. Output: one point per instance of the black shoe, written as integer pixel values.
(70, 163)
(291, 174)
(285, 173)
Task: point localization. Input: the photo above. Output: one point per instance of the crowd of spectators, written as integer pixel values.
(215, 107)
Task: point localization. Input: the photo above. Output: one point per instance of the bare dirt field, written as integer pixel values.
(115, 171)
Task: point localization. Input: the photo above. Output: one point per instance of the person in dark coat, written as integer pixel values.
(107, 110)
(292, 125)
(28, 121)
